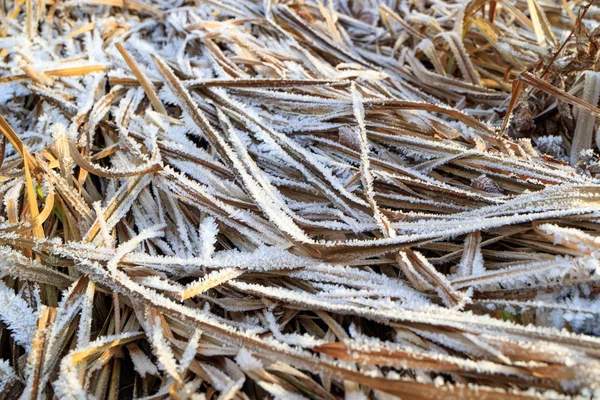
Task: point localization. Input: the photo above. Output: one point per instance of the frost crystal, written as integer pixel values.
(299, 199)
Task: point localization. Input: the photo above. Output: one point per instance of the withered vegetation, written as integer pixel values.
(289, 199)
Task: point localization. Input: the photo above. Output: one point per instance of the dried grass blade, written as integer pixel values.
(541, 26)
(142, 78)
(108, 173)
(211, 280)
(540, 84)
(388, 11)
(586, 122)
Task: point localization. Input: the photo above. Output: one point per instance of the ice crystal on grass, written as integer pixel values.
(17, 316)
(299, 199)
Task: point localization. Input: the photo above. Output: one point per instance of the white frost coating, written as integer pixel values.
(130, 245)
(142, 364)
(247, 361)
(211, 280)
(573, 238)
(282, 211)
(207, 237)
(68, 386)
(18, 316)
(190, 351)
(280, 393)
(294, 339)
(7, 374)
(85, 320)
(163, 351)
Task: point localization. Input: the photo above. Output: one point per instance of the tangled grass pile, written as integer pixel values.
(360, 199)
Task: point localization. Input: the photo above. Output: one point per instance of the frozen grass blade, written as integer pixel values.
(299, 199)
